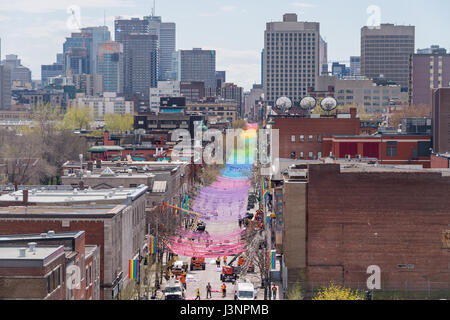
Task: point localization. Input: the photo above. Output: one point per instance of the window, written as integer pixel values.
(302, 138)
(87, 277)
(319, 155)
(319, 138)
(310, 138)
(292, 138)
(391, 149)
(301, 155)
(82, 265)
(292, 155)
(311, 155)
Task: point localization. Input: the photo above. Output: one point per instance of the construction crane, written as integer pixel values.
(196, 214)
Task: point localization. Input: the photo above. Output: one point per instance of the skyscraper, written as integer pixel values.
(166, 32)
(123, 27)
(98, 35)
(221, 77)
(140, 63)
(18, 72)
(110, 66)
(198, 65)
(77, 50)
(5, 88)
(385, 52)
(323, 56)
(291, 58)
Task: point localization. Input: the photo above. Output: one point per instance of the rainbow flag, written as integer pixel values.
(273, 259)
(133, 269)
(152, 249)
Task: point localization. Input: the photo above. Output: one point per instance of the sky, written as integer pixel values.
(36, 29)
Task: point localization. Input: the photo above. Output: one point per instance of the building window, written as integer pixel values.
(292, 138)
(301, 155)
(302, 138)
(319, 138)
(292, 155)
(311, 155)
(319, 155)
(310, 138)
(87, 277)
(391, 149)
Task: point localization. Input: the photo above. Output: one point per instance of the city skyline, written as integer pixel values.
(36, 32)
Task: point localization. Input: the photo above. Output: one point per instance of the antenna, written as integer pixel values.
(154, 8)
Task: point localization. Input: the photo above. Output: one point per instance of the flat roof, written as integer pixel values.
(73, 196)
(38, 236)
(63, 211)
(41, 256)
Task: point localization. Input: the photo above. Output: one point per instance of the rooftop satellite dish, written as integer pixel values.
(284, 103)
(328, 104)
(308, 103)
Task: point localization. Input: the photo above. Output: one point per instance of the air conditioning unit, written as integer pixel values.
(359, 157)
(348, 157)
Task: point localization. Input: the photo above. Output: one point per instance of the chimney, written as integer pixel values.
(25, 196)
(353, 112)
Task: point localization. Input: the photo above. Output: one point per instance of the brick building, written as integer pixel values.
(85, 284)
(387, 149)
(441, 120)
(32, 273)
(302, 137)
(114, 220)
(338, 219)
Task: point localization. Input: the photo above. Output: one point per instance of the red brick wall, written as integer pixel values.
(408, 211)
(307, 126)
(439, 162)
(94, 234)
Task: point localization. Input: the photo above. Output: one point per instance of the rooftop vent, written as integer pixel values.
(22, 252)
(43, 235)
(32, 246)
(51, 233)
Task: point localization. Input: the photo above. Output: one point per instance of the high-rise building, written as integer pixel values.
(140, 63)
(262, 67)
(234, 93)
(323, 56)
(198, 65)
(252, 99)
(221, 77)
(355, 66)
(18, 71)
(98, 35)
(427, 72)
(385, 52)
(291, 58)
(5, 88)
(77, 50)
(89, 84)
(123, 27)
(441, 120)
(166, 32)
(111, 66)
(165, 89)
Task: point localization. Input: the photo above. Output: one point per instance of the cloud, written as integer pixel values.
(303, 5)
(45, 6)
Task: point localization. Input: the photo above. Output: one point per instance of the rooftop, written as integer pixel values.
(40, 236)
(91, 211)
(15, 256)
(73, 196)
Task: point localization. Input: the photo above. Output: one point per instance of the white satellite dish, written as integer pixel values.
(308, 103)
(284, 103)
(328, 104)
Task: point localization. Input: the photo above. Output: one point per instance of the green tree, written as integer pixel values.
(119, 123)
(77, 118)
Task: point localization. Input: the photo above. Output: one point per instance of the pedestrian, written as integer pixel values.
(224, 290)
(183, 280)
(240, 223)
(208, 291)
(197, 294)
(274, 293)
(225, 260)
(218, 262)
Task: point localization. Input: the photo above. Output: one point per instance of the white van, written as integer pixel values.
(244, 291)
